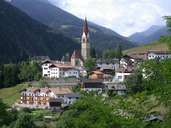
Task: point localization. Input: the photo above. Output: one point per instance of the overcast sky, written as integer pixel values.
(123, 16)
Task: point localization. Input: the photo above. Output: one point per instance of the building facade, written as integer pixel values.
(158, 55)
(44, 97)
(56, 69)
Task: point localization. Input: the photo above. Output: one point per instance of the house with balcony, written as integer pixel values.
(46, 98)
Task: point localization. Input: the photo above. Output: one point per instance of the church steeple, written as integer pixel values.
(85, 45)
(85, 27)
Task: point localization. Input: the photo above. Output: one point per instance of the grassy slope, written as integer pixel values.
(12, 94)
(154, 46)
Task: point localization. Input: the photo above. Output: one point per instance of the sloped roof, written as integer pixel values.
(85, 27)
(77, 55)
(56, 90)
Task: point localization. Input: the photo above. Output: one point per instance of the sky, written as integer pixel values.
(123, 16)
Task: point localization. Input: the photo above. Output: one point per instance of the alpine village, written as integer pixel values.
(60, 71)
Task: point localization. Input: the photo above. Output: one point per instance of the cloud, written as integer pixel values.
(123, 16)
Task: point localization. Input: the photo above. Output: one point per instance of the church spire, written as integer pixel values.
(85, 27)
(85, 45)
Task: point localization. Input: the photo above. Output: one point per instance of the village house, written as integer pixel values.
(57, 69)
(127, 62)
(107, 64)
(158, 55)
(96, 75)
(46, 98)
(93, 86)
(121, 76)
(117, 88)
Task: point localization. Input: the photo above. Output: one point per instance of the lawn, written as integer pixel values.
(12, 94)
(142, 49)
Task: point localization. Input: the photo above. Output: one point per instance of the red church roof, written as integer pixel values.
(77, 54)
(85, 27)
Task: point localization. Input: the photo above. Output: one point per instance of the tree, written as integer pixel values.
(88, 112)
(134, 82)
(24, 121)
(109, 54)
(3, 114)
(168, 21)
(1, 76)
(119, 52)
(29, 71)
(89, 64)
(10, 75)
(93, 52)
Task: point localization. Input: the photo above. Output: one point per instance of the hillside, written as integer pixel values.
(69, 25)
(150, 35)
(12, 94)
(22, 37)
(161, 45)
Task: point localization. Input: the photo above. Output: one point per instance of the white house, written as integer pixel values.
(72, 73)
(58, 69)
(158, 54)
(45, 68)
(120, 77)
(63, 71)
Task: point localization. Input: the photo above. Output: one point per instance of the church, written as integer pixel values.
(79, 56)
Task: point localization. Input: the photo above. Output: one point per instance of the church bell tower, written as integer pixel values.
(85, 45)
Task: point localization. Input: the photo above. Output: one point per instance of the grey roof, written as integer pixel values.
(73, 95)
(56, 100)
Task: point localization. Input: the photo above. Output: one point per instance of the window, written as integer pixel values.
(119, 77)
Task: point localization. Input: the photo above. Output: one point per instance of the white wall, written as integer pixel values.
(72, 73)
(120, 77)
(46, 70)
(54, 72)
(161, 56)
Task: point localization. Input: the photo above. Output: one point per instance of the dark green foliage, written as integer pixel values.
(167, 40)
(29, 71)
(109, 54)
(24, 121)
(89, 64)
(93, 53)
(66, 57)
(88, 112)
(168, 21)
(113, 53)
(1, 75)
(3, 114)
(134, 82)
(6, 117)
(22, 37)
(119, 52)
(10, 73)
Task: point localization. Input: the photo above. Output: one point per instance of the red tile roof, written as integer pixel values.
(85, 27)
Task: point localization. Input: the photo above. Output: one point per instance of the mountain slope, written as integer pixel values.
(150, 35)
(71, 26)
(163, 44)
(21, 37)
